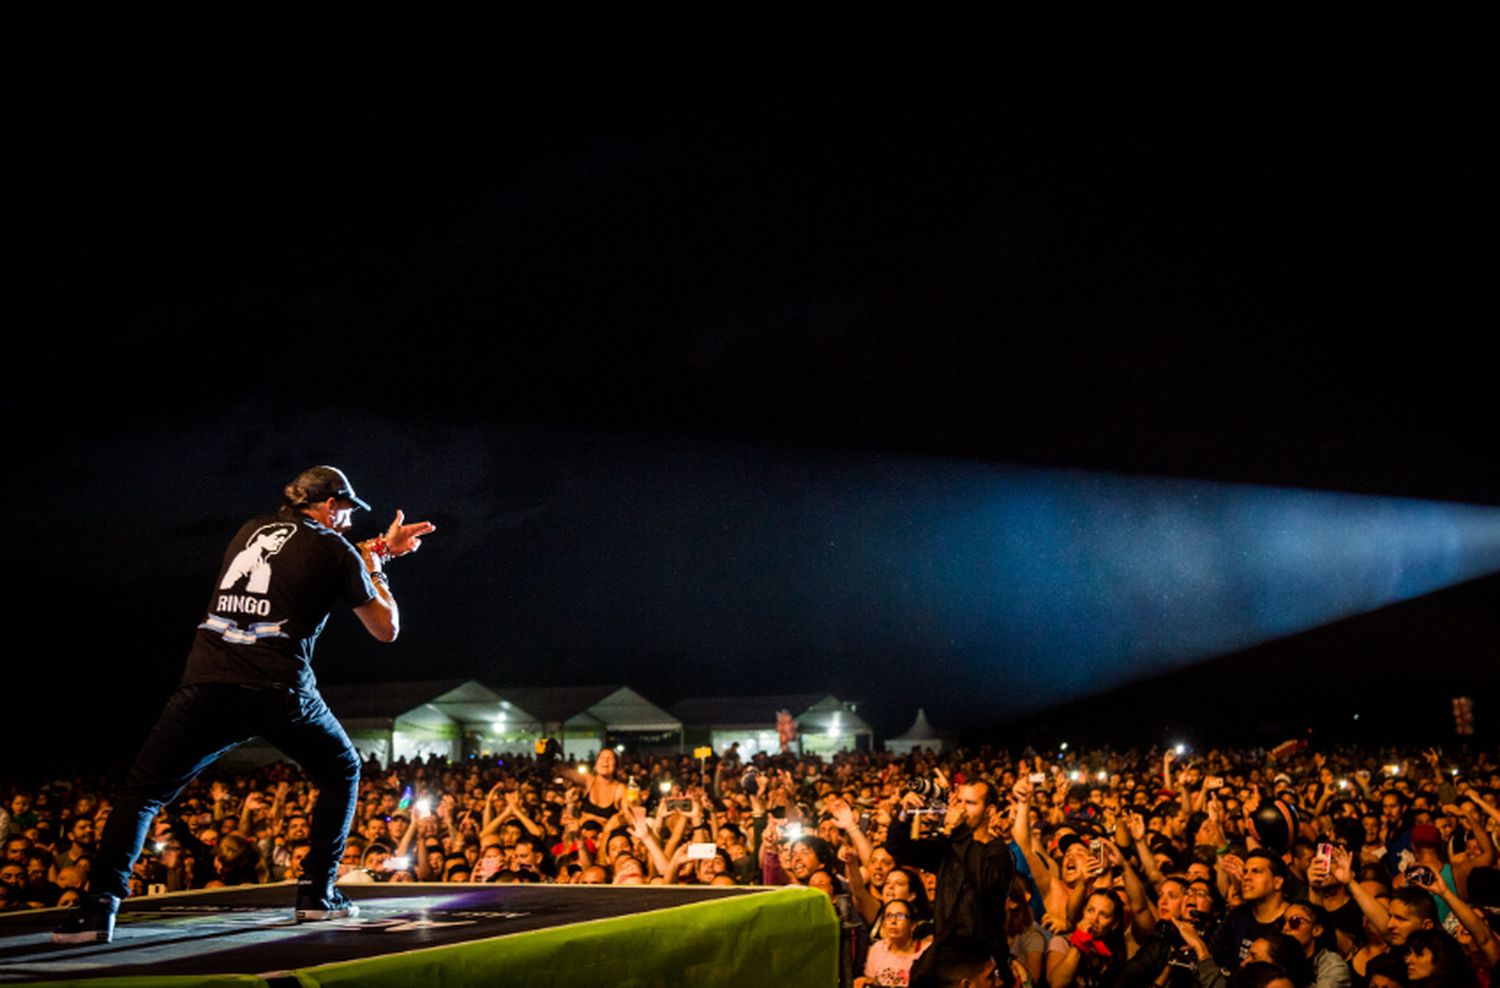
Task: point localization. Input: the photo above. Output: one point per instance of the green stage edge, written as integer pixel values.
(786, 938)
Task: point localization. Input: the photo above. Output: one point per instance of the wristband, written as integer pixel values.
(378, 548)
(380, 579)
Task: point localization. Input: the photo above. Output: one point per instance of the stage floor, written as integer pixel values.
(515, 934)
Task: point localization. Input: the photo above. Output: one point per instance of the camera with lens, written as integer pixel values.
(1182, 956)
(926, 788)
(1179, 954)
(750, 781)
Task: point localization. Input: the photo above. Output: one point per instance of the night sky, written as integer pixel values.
(709, 348)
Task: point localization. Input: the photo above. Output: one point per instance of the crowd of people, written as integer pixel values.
(1295, 868)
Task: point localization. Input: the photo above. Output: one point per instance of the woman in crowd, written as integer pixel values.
(1093, 954)
(1435, 960)
(1386, 971)
(1286, 953)
(603, 794)
(1027, 938)
(896, 945)
(1308, 925)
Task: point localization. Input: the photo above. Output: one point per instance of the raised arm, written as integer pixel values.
(1142, 916)
(859, 890)
(517, 809)
(1135, 824)
(643, 831)
(492, 819)
(1481, 850)
(380, 615)
(1343, 873)
(845, 820)
(1484, 940)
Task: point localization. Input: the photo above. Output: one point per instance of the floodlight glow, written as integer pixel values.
(620, 749)
(1019, 588)
(1069, 584)
(1181, 749)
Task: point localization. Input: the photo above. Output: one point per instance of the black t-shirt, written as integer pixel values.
(281, 576)
(1231, 943)
(1348, 918)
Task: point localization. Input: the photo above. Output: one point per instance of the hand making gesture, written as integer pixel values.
(402, 538)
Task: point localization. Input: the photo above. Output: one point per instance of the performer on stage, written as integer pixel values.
(249, 673)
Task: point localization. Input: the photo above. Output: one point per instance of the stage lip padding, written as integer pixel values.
(787, 938)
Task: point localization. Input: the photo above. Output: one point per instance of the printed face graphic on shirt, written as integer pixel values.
(253, 563)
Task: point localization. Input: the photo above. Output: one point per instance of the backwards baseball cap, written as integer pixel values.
(320, 484)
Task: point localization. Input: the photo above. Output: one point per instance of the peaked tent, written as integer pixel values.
(452, 718)
(920, 734)
(583, 717)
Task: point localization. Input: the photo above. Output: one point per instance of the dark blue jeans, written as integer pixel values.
(200, 723)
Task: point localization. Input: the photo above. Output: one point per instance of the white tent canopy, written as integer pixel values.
(921, 734)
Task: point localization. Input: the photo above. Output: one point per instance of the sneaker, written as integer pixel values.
(329, 903)
(90, 920)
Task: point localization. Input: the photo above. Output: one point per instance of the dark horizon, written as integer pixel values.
(622, 320)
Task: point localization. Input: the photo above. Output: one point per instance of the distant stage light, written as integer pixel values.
(1016, 588)
(1071, 584)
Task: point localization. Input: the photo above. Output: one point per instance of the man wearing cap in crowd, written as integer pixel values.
(249, 673)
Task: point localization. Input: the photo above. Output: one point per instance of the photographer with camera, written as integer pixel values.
(1177, 953)
(971, 859)
(1166, 957)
